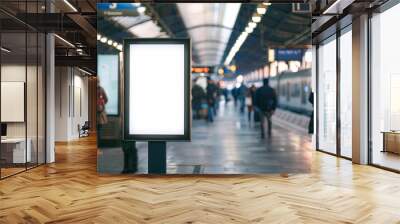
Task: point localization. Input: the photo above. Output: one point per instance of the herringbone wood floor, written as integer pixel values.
(71, 191)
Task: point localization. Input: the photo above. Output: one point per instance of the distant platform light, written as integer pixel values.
(261, 10)
(119, 47)
(221, 71)
(115, 44)
(256, 18)
(103, 39)
(249, 30)
(252, 25)
(141, 9)
(110, 42)
(98, 36)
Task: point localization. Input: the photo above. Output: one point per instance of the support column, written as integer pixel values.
(50, 99)
(360, 90)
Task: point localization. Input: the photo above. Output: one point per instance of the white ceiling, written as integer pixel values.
(209, 26)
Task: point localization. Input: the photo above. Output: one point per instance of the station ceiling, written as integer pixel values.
(213, 27)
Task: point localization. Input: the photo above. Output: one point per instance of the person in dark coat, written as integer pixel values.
(266, 103)
(198, 96)
(211, 93)
(311, 123)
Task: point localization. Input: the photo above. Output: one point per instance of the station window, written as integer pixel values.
(385, 89)
(327, 96)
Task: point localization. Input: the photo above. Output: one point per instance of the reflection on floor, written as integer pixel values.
(387, 159)
(5, 172)
(71, 191)
(230, 145)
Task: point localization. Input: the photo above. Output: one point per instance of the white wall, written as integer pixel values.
(71, 102)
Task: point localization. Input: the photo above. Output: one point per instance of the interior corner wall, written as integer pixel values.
(71, 103)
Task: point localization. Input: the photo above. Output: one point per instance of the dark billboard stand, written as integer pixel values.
(157, 142)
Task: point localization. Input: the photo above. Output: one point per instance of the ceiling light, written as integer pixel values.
(267, 3)
(115, 44)
(70, 5)
(5, 50)
(119, 47)
(333, 6)
(252, 25)
(261, 10)
(64, 40)
(141, 9)
(249, 30)
(79, 50)
(84, 71)
(98, 36)
(256, 18)
(136, 4)
(110, 42)
(103, 39)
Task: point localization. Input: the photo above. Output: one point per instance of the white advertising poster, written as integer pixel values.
(156, 102)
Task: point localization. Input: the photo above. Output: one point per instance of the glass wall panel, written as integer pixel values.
(22, 89)
(346, 94)
(385, 84)
(14, 153)
(327, 96)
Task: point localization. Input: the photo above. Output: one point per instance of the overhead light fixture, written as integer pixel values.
(252, 25)
(5, 50)
(110, 42)
(261, 10)
(79, 50)
(267, 3)
(64, 40)
(70, 5)
(136, 4)
(334, 5)
(119, 47)
(249, 30)
(141, 9)
(103, 39)
(98, 36)
(84, 71)
(256, 18)
(115, 44)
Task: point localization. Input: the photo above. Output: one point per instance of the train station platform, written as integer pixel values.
(229, 145)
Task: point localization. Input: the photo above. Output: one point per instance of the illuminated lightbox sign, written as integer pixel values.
(157, 89)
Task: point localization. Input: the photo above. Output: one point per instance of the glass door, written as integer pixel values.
(327, 96)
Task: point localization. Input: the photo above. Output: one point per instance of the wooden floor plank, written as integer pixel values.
(71, 191)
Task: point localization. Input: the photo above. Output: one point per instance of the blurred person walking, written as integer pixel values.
(266, 102)
(241, 95)
(311, 123)
(198, 96)
(211, 93)
(250, 101)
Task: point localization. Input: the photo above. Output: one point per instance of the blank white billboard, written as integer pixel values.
(157, 82)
